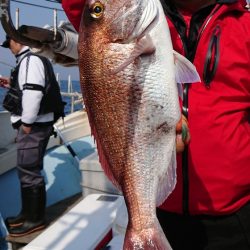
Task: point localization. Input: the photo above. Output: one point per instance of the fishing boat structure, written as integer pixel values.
(71, 169)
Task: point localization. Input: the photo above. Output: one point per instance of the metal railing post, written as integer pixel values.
(17, 18)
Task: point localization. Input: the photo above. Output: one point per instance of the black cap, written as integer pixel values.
(6, 43)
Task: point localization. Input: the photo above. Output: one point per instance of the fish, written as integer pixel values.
(128, 76)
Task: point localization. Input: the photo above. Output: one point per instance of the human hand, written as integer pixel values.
(182, 134)
(26, 129)
(4, 82)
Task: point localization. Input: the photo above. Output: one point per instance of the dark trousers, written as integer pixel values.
(30, 152)
(230, 232)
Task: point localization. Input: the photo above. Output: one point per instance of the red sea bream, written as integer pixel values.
(129, 74)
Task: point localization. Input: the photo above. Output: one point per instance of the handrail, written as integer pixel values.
(75, 97)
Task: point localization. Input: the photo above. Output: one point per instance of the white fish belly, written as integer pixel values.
(158, 114)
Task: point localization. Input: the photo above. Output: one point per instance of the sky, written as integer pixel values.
(33, 16)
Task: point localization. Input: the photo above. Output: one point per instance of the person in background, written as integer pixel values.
(210, 206)
(34, 128)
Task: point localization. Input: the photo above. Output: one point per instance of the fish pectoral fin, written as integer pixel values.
(185, 71)
(143, 46)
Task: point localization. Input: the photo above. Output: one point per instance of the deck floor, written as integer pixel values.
(52, 214)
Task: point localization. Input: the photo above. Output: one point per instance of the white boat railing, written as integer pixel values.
(72, 127)
(75, 97)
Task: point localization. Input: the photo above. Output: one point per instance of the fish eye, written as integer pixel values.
(97, 10)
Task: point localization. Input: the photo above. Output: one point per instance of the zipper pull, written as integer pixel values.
(212, 57)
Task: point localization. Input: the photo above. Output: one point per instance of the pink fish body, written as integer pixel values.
(128, 73)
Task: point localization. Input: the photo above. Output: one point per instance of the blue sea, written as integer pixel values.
(64, 88)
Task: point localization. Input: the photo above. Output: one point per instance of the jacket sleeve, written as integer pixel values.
(31, 97)
(73, 10)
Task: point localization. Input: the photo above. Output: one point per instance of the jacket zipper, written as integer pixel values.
(185, 190)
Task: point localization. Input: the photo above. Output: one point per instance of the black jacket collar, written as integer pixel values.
(226, 1)
(22, 53)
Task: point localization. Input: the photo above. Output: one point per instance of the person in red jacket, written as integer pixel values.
(210, 206)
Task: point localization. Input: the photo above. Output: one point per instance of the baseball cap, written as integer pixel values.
(6, 43)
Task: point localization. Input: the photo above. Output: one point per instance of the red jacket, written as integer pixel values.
(73, 9)
(217, 177)
(218, 169)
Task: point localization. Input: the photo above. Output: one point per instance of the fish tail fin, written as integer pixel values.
(150, 238)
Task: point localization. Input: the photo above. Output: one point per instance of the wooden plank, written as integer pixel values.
(52, 214)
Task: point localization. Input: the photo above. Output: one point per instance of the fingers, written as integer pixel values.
(26, 129)
(182, 134)
(180, 146)
(185, 130)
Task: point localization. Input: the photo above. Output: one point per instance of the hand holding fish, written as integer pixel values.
(182, 134)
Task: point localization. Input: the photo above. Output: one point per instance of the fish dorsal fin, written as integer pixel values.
(142, 46)
(103, 158)
(185, 71)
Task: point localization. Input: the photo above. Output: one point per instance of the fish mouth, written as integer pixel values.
(144, 18)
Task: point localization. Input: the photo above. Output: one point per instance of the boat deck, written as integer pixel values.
(53, 212)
